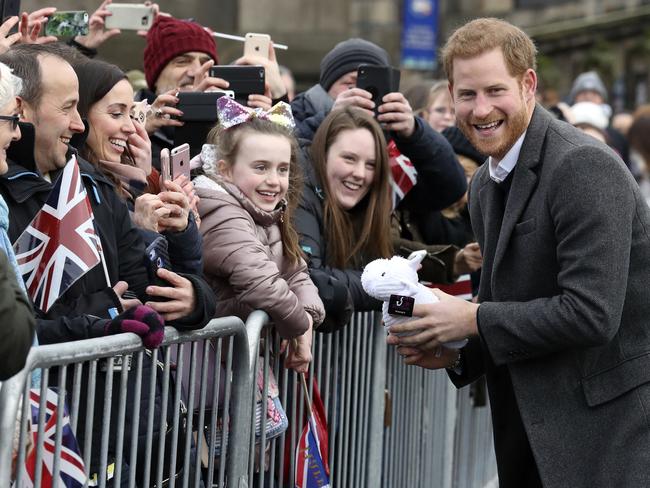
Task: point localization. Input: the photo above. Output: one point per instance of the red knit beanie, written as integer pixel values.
(167, 38)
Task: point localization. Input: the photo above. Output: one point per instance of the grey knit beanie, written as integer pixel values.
(588, 81)
(347, 56)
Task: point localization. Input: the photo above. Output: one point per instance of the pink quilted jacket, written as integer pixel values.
(243, 261)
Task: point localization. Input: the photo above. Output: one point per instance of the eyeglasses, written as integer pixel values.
(14, 119)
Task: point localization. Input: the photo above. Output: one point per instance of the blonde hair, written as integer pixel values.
(10, 85)
(482, 35)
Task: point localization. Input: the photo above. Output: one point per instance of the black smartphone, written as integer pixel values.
(10, 8)
(378, 80)
(200, 106)
(244, 80)
(156, 257)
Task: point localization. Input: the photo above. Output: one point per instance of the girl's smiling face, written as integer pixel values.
(260, 169)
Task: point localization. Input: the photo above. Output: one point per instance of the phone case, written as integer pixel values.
(164, 164)
(378, 80)
(244, 80)
(156, 257)
(180, 161)
(200, 106)
(257, 44)
(129, 16)
(67, 24)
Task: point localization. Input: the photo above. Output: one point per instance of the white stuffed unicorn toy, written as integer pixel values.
(382, 278)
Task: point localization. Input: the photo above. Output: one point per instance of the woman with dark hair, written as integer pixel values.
(120, 147)
(344, 217)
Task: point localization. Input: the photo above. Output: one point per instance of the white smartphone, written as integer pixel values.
(180, 161)
(257, 44)
(164, 164)
(129, 16)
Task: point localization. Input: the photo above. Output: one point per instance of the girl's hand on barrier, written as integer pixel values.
(299, 351)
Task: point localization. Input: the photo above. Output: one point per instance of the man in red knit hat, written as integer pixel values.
(177, 57)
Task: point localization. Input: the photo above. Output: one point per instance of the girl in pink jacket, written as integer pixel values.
(247, 197)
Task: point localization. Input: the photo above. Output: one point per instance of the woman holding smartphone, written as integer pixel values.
(120, 147)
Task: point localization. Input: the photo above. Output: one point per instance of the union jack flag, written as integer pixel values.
(60, 244)
(71, 466)
(404, 174)
(312, 470)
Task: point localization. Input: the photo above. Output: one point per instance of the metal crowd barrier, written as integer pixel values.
(348, 368)
(474, 458)
(390, 425)
(142, 418)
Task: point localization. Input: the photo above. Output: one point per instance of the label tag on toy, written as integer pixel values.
(401, 305)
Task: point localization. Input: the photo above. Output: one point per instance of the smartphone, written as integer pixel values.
(200, 106)
(164, 164)
(244, 80)
(378, 80)
(10, 8)
(156, 257)
(257, 44)
(180, 161)
(69, 23)
(129, 16)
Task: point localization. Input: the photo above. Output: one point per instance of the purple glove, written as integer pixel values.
(141, 320)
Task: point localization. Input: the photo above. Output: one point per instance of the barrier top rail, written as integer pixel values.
(67, 353)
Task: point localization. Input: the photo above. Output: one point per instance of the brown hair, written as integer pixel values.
(482, 35)
(361, 234)
(227, 142)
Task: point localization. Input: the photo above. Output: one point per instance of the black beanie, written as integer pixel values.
(462, 146)
(347, 56)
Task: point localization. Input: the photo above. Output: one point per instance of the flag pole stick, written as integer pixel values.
(303, 383)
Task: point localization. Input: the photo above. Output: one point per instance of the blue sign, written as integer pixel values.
(419, 34)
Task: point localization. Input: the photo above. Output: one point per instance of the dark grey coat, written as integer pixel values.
(565, 306)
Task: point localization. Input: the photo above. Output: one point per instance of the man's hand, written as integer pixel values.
(450, 319)
(31, 25)
(468, 259)
(6, 40)
(97, 33)
(355, 97)
(181, 298)
(428, 359)
(259, 101)
(272, 72)
(396, 115)
(203, 82)
(162, 110)
(126, 303)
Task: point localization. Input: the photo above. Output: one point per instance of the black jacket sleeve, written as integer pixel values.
(18, 322)
(186, 249)
(130, 248)
(308, 221)
(441, 180)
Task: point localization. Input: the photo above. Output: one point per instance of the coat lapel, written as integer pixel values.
(524, 179)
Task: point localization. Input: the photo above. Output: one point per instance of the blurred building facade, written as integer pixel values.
(611, 36)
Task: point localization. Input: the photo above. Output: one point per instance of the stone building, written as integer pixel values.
(612, 36)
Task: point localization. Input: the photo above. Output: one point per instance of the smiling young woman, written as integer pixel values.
(344, 217)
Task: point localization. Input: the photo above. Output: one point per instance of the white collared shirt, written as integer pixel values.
(499, 170)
